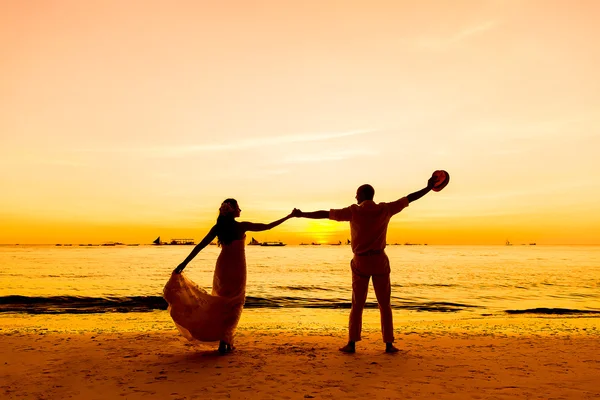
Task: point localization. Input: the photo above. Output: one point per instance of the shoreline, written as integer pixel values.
(314, 321)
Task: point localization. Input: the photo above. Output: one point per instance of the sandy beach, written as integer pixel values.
(528, 358)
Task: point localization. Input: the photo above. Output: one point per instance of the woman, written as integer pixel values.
(211, 317)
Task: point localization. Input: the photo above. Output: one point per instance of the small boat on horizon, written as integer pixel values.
(273, 244)
(173, 242)
(181, 242)
(254, 242)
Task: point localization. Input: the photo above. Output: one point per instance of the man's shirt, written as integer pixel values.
(368, 222)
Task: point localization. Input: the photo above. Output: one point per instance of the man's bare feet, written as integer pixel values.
(225, 347)
(349, 348)
(222, 347)
(390, 348)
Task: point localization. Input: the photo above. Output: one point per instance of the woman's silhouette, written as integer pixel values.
(211, 317)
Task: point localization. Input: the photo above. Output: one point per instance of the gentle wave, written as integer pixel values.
(303, 302)
(303, 288)
(552, 311)
(89, 305)
(80, 305)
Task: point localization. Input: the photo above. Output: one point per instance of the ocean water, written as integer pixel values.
(457, 280)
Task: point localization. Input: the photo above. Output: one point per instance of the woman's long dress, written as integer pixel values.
(210, 317)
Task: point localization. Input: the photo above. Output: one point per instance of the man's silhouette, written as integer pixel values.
(368, 229)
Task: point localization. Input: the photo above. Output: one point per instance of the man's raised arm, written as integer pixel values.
(417, 195)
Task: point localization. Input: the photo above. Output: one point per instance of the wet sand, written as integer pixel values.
(513, 358)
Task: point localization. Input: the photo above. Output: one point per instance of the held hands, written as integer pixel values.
(296, 213)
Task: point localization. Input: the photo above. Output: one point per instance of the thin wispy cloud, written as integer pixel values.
(442, 43)
(276, 172)
(575, 124)
(471, 31)
(39, 160)
(543, 190)
(233, 145)
(63, 163)
(329, 156)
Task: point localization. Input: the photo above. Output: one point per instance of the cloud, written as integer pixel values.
(63, 163)
(442, 43)
(234, 145)
(329, 156)
(31, 160)
(575, 125)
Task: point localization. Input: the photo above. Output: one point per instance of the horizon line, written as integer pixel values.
(298, 244)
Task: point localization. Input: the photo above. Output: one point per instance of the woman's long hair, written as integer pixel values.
(226, 232)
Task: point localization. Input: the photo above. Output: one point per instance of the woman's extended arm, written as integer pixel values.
(253, 227)
(210, 236)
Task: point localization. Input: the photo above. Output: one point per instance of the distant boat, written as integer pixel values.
(315, 244)
(279, 244)
(212, 243)
(132, 244)
(532, 244)
(348, 241)
(173, 242)
(254, 242)
(508, 243)
(336, 244)
(303, 244)
(181, 242)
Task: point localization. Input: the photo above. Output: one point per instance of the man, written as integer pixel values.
(368, 229)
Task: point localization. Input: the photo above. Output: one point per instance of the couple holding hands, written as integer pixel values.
(214, 317)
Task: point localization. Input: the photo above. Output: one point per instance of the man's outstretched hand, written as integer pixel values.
(431, 182)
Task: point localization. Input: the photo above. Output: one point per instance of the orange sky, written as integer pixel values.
(125, 120)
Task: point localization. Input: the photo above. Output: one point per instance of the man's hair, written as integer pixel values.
(367, 191)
